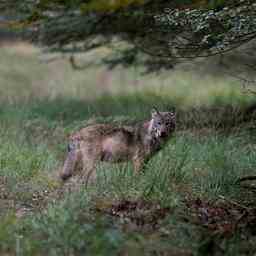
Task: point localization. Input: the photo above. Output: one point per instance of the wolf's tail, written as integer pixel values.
(70, 162)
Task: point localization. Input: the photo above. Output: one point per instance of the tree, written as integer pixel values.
(163, 30)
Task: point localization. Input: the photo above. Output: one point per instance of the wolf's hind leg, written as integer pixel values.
(138, 164)
(69, 165)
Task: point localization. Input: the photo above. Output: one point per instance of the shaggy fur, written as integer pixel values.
(110, 143)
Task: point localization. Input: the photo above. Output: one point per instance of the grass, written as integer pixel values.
(156, 213)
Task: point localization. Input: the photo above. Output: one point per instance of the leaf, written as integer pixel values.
(108, 5)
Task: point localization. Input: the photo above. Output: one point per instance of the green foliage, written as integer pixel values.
(211, 30)
(7, 232)
(163, 31)
(26, 163)
(109, 6)
(68, 228)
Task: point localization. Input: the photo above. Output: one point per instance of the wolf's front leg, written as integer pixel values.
(89, 160)
(88, 174)
(138, 164)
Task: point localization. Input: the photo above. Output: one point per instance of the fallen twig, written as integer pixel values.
(235, 203)
(245, 178)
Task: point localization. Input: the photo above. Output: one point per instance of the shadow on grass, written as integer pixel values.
(68, 110)
(220, 114)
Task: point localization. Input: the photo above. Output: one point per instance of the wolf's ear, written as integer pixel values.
(171, 109)
(172, 114)
(154, 112)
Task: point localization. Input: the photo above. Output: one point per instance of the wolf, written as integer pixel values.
(113, 143)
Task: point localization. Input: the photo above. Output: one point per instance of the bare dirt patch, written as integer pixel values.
(220, 217)
(140, 214)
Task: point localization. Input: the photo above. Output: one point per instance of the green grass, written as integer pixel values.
(213, 146)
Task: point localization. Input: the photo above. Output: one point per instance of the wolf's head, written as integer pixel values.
(162, 124)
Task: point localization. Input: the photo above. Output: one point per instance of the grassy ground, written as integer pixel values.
(187, 201)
